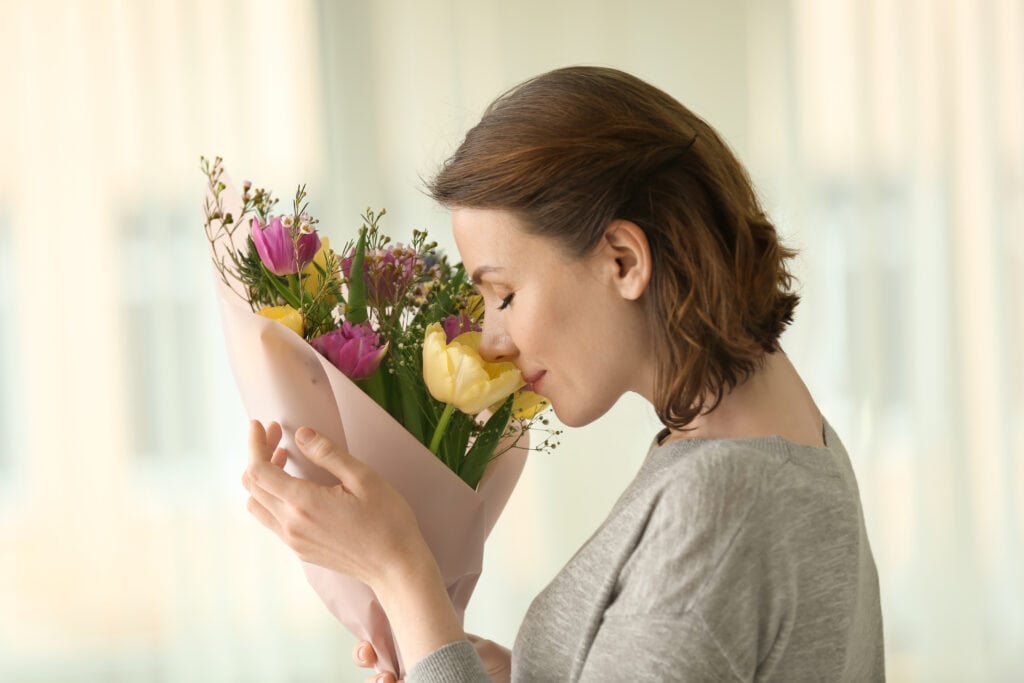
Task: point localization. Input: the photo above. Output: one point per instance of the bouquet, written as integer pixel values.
(376, 347)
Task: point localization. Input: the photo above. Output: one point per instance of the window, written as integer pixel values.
(10, 378)
(166, 278)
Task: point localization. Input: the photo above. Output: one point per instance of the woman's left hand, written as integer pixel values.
(362, 527)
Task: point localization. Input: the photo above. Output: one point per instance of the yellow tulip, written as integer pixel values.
(456, 374)
(310, 275)
(527, 404)
(286, 315)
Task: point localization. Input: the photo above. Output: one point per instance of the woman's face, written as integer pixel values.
(570, 325)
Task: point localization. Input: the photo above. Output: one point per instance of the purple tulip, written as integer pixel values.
(277, 250)
(354, 349)
(454, 325)
(389, 273)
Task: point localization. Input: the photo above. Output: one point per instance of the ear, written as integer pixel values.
(628, 255)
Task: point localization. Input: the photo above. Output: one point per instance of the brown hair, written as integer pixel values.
(571, 150)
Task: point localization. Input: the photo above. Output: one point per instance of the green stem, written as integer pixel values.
(442, 425)
(374, 386)
(285, 293)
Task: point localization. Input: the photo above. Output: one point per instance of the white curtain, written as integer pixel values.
(892, 136)
(887, 139)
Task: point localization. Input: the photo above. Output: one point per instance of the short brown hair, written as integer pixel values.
(571, 150)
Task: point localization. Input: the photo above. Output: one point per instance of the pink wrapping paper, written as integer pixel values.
(282, 378)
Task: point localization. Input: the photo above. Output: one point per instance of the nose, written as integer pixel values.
(495, 345)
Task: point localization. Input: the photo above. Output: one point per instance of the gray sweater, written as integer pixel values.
(724, 559)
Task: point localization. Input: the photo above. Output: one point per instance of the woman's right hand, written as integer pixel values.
(497, 660)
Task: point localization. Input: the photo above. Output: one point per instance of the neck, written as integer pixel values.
(773, 401)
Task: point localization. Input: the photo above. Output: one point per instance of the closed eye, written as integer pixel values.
(506, 301)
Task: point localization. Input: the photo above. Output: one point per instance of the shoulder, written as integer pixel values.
(716, 481)
(728, 481)
(747, 538)
(715, 509)
(700, 499)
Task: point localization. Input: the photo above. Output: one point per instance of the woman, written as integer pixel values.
(619, 246)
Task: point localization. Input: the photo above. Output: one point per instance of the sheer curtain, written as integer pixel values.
(898, 129)
(885, 137)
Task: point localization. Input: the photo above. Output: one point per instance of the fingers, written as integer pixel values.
(326, 454)
(363, 654)
(258, 449)
(263, 451)
(264, 478)
(274, 434)
(497, 660)
(275, 481)
(267, 500)
(280, 457)
(263, 515)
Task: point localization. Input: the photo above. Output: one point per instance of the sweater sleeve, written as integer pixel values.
(456, 662)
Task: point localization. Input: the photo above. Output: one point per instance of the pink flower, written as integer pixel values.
(354, 349)
(277, 250)
(454, 325)
(389, 273)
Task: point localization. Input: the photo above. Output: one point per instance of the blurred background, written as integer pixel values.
(886, 137)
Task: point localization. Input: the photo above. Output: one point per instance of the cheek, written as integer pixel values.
(545, 331)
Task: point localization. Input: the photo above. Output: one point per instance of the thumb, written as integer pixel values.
(325, 453)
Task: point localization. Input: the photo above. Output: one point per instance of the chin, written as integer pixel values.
(580, 416)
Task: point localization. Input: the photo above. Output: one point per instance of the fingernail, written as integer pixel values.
(364, 653)
(304, 435)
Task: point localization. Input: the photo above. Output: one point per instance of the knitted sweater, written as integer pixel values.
(724, 559)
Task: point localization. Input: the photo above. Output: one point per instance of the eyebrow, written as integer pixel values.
(482, 270)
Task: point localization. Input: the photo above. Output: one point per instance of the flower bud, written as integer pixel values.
(286, 315)
(455, 372)
(355, 349)
(277, 250)
(454, 325)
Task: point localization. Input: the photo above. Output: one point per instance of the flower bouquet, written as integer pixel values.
(375, 347)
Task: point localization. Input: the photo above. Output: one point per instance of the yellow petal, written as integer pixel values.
(471, 378)
(437, 371)
(503, 383)
(490, 382)
(470, 339)
(311, 278)
(286, 315)
(527, 404)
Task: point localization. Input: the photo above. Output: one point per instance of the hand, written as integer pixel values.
(362, 527)
(365, 656)
(497, 660)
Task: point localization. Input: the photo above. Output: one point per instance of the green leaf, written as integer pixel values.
(374, 387)
(357, 282)
(456, 439)
(480, 454)
(411, 412)
(392, 389)
(275, 283)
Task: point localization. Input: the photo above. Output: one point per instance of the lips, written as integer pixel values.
(533, 381)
